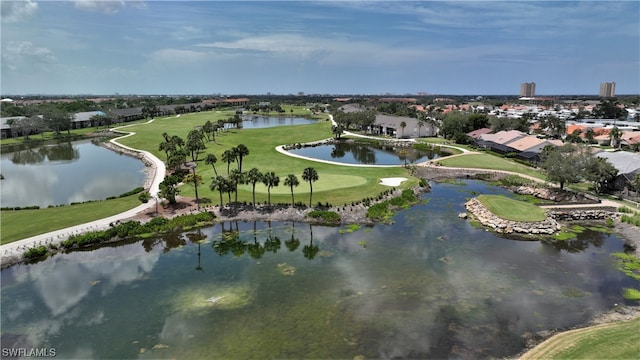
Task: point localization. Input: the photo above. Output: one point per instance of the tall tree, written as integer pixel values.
(211, 159)
(57, 120)
(236, 178)
(195, 180)
(194, 144)
(562, 164)
(614, 135)
(403, 125)
(228, 156)
(169, 188)
(291, 181)
(310, 175)
(219, 183)
(600, 172)
(253, 177)
(240, 151)
(270, 179)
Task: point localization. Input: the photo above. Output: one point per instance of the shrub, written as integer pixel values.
(328, 217)
(132, 192)
(36, 252)
(144, 197)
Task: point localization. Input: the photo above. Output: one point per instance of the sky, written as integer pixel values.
(321, 47)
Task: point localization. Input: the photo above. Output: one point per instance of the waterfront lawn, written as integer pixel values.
(16, 225)
(510, 209)
(487, 161)
(337, 184)
(608, 341)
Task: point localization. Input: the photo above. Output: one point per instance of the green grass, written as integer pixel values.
(491, 162)
(610, 341)
(336, 185)
(510, 209)
(21, 224)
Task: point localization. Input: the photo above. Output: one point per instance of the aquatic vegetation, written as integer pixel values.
(286, 269)
(564, 235)
(631, 294)
(628, 264)
(574, 293)
(213, 296)
(327, 217)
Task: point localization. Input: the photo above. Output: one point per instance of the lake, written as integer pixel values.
(67, 172)
(256, 122)
(428, 286)
(359, 153)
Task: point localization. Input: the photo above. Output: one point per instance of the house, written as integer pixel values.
(627, 164)
(476, 133)
(84, 119)
(390, 125)
(499, 141)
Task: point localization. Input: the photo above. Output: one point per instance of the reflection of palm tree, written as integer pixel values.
(310, 251)
(293, 243)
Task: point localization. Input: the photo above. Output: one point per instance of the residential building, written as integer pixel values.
(528, 89)
(607, 89)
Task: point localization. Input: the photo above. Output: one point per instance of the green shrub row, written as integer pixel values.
(633, 220)
(36, 252)
(328, 217)
(135, 228)
(15, 208)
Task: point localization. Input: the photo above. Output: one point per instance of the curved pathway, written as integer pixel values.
(157, 174)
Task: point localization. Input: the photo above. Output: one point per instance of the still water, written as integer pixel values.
(255, 122)
(354, 153)
(428, 286)
(67, 172)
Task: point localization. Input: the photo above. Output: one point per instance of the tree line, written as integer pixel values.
(178, 151)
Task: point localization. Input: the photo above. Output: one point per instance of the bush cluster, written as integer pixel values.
(135, 228)
(36, 252)
(327, 217)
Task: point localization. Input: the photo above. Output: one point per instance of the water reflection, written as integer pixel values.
(65, 173)
(60, 152)
(361, 153)
(428, 286)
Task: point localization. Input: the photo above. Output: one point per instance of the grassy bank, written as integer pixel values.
(487, 161)
(336, 185)
(510, 209)
(607, 341)
(22, 224)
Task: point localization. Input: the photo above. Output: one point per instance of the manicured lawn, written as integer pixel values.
(609, 341)
(487, 161)
(337, 185)
(510, 209)
(16, 225)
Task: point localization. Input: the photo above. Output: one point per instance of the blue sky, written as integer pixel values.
(349, 47)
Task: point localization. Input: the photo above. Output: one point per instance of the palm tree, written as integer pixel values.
(219, 183)
(270, 180)
(228, 156)
(240, 151)
(211, 160)
(403, 125)
(253, 177)
(420, 125)
(291, 181)
(196, 180)
(310, 175)
(235, 178)
(615, 135)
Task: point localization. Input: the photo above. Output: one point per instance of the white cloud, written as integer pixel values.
(105, 7)
(15, 11)
(177, 56)
(23, 53)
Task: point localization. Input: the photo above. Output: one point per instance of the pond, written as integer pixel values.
(428, 286)
(66, 172)
(366, 154)
(256, 122)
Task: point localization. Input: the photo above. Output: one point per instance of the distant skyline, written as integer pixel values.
(349, 47)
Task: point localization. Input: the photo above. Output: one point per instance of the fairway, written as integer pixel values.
(326, 182)
(607, 341)
(487, 161)
(510, 209)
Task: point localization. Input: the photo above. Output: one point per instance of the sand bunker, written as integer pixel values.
(392, 181)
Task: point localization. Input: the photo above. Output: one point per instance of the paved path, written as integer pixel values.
(157, 174)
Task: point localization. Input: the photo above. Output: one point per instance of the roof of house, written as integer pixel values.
(476, 133)
(625, 162)
(85, 116)
(525, 143)
(502, 137)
